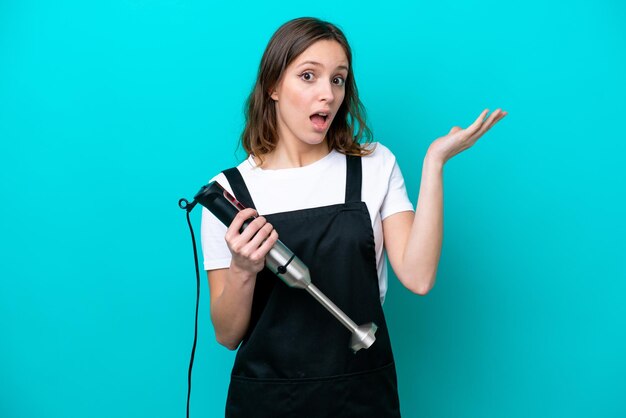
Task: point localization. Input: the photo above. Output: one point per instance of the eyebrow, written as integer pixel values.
(320, 65)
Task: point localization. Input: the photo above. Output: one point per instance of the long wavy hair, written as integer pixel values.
(348, 128)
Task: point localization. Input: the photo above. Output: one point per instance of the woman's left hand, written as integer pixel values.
(459, 139)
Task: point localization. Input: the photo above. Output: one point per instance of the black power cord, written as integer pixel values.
(184, 204)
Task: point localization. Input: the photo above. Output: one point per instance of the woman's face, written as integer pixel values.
(310, 92)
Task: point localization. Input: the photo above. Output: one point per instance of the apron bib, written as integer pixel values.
(295, 359)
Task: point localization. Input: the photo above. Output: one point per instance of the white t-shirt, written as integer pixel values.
(318, 184)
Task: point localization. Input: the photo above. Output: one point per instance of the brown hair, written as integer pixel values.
(260, 134)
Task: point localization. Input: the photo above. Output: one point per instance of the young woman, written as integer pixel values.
(339, 204)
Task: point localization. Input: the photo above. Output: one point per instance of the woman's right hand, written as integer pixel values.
(250, 247)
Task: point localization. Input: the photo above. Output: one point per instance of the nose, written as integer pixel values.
(326, 92)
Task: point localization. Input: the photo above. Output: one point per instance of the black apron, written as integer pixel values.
(295, 358)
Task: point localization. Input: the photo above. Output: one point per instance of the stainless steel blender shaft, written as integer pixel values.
(362, 336)
(295, 273)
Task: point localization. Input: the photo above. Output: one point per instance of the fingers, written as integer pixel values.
(502, 115)
(237, 223)
(492, 120)
(260, 237)
(459, 139)
(254, 228)
(255, 241)
(477, 123)
(267, 244)
(480, 126)
(495, 117)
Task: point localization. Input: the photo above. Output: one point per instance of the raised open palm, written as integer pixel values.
(458, 139)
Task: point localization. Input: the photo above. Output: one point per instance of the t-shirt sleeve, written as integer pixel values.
(396, 200)
(215, 251)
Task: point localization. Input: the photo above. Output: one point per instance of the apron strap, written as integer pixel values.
(239, 187)
(353, 178)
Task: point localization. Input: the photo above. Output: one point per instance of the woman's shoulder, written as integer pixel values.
(245, 165)
(380, 155)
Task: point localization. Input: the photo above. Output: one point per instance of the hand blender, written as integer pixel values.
(284, 263)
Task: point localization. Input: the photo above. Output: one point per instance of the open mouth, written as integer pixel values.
(320, 121)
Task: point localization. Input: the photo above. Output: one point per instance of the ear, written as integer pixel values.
(273, 91)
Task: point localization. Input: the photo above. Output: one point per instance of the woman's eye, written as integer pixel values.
(339, 81)
(307, 76)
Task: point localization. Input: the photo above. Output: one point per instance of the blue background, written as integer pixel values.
(110, 111)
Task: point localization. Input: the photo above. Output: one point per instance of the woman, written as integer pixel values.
(338, 205)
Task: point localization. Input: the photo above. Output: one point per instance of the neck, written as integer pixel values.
(293, 155)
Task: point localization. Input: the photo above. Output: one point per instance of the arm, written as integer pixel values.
(231, 300)
(413, 241)
(232, 289)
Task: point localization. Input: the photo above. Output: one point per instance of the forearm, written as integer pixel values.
(230, 311)
(423, 248)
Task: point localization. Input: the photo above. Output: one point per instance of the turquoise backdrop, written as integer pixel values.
(110, 111)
